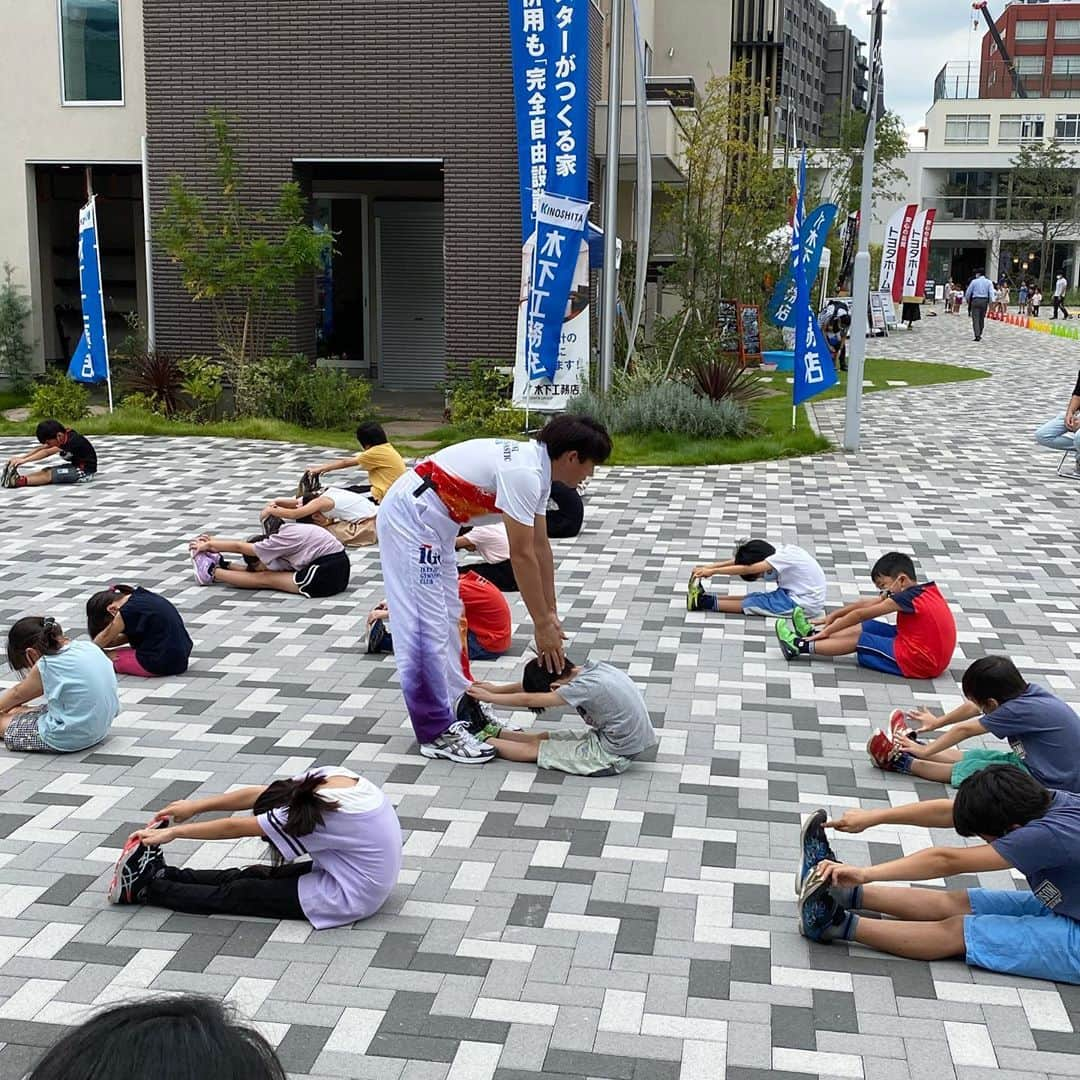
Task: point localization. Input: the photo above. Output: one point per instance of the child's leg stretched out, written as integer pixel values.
(518, 745)
(21, 730)
(281, 580)
(250, 890)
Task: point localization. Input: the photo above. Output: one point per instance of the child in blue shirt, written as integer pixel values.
(76, 679)
(1023, 825)
(1042, 730)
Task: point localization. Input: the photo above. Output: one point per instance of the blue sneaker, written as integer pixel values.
(377, 635)
(820, 917)
(814, 845)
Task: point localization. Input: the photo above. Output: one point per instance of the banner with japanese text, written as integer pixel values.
(894, 250)
(915, 261)
(815, 230)
(814, 371)
(90, 362)
(572, 368)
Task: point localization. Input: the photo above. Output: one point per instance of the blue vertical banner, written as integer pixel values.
(550, 59)
(90, 363)
(815, 231)
(814, 368)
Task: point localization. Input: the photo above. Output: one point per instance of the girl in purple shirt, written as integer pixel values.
(290, 556)
(345, 824)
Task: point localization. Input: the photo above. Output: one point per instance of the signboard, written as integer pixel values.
(878, 323)
(889, 307)
(749, 333)
(930, 291)
(727, 326)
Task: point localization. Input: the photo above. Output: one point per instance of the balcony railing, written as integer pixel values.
(1002, 209)
(966, 79)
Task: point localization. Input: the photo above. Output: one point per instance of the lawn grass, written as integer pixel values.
(776, 438)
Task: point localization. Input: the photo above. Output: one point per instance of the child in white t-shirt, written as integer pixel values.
(800, 582)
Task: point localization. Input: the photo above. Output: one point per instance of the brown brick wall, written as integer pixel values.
(340, 79)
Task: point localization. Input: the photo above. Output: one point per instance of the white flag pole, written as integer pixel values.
(101, 297)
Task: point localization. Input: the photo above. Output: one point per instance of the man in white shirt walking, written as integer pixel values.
(1061, 287)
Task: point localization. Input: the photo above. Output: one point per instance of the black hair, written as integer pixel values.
(271, 525)
(371, 434)
(304, 808)
(32, 632)
(565, 433)
(98, 615)
(993, 677)
(536, 679)
(892, 564)
(49, 429)
(168, 1038)
(993, 800)
(566, 519)
(750, 552)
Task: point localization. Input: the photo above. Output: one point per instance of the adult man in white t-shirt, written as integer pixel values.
(1061, 287)
(480, 481)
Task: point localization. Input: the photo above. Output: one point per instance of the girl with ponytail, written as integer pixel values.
(76, 680)
(335, 845)
(142, 632)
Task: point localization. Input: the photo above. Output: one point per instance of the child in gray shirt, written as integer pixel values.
(618, 728)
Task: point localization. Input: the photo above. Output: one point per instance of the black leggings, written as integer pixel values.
(271, 893)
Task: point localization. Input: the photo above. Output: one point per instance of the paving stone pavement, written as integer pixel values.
(633, 928)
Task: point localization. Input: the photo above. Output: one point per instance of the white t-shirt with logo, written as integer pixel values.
(350, 505)
(798, 574)
(507, 476)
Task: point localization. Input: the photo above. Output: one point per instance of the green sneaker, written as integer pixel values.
(694, 592)
(489, 731)
(789, 640)
(803, 626)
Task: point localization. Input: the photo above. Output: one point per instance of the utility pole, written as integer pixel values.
(611, 198)
(860, 301)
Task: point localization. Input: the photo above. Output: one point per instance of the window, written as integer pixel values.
(1030, 29)
(90, 51)
(1033, 65)
(1066, 65)
(1067, 127)
(1021, 127)
(1067, 29)
(962, 128)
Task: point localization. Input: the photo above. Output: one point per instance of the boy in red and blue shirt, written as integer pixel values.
(919, 646)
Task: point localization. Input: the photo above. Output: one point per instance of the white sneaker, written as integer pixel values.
(457, 743)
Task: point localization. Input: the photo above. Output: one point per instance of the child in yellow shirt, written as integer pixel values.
(382, 462)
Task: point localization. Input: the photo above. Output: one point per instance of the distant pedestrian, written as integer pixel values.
(978, 295)
(1022, 299)
(1036, 301)
(1061, 287)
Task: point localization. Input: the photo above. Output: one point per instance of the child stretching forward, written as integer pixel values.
(800, 582)
(78, 684)
(618, 722)
(80, 459)
(142, 632)
(342, 821)
(919, 646)
(1043, 732)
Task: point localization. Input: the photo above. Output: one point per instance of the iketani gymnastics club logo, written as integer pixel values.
(429, 556)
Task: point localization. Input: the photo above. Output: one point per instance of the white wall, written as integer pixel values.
(697, 33)
(36, 127)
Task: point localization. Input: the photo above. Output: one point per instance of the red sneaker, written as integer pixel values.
(883, 752)
(898, 724)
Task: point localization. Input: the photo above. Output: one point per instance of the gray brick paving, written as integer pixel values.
(637, 928)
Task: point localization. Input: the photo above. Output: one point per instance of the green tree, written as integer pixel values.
(243, 261)
(732, 201)
(15, 351)
(1043, 200)
(843, 184)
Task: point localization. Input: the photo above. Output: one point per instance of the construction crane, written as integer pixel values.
(1010, 66)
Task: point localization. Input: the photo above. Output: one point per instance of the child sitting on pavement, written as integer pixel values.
(80, 459)
(1022, 825)
(382, 462)
(1042, 730)
(800, 582)
(618, 722)
(919, 646)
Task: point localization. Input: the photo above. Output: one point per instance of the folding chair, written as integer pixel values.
(1061, 470)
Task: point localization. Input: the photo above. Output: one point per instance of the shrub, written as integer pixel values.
(140, 403)
(480, 403)
(202, 385)
(57, 397)
(670, 407)
(154, 375)
(14, 348)
(287, 387)
(334, 398)
(724, 378)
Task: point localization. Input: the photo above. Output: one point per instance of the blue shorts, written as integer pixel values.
(777, 602)
(1015, 934)
(877, 647)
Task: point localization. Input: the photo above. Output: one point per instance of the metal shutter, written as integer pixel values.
(412, 320)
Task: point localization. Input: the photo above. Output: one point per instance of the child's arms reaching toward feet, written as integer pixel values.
(932, 814)
(242, 799)
(293, 510)
(853, 614)
(517, 700)
(331, 466)
(39, 454)
(939, 862)
(927, 721)
(220, 545)
(733, 568)
(232, 828)
(967, 730)
(497, 688)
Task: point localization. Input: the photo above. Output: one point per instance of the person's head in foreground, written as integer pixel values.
(996, 800)
(575, 445)
(991, 681)
(166, 1038)
(31, 638)
(370, 434)
(536, 679)
(751, 552)
(893, 573)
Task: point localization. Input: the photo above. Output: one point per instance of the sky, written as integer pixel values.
(920, 37)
